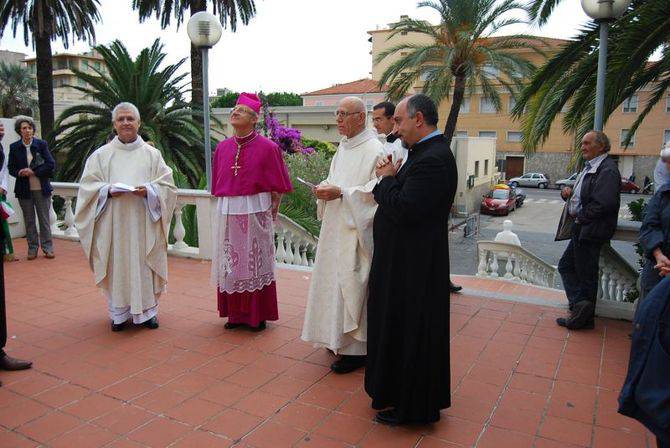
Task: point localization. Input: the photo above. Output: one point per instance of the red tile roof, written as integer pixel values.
(366, 85)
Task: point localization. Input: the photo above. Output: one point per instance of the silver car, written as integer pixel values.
(567, 182)
(538, 180)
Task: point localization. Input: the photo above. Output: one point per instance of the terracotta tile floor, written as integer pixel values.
(518, 380)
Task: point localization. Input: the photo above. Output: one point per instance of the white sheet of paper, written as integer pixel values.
(120, 187)
(304, 182)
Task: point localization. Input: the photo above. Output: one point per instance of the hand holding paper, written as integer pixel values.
(120, 187)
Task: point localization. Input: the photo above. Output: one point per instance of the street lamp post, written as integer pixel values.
(603, 12)
(204, 30)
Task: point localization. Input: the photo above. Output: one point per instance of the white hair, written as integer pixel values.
(358, 103)
(125, 106)
(665, 152)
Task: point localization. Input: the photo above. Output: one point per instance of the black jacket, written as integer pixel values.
(43, 165)
(655, 230)
(600, 200)
(645, 395)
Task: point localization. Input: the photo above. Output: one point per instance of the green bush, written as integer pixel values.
(319, 146)
(300, 204)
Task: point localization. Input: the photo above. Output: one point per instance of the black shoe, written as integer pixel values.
(581, 315)
(9, 363)
(118, 327)
(388, 417)
(232, 326)
(151, 323)
(347, 364)
(261, 326)
(454, 288)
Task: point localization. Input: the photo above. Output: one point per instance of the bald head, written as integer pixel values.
(351, 116)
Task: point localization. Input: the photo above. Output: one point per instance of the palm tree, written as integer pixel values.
(167, 120)
(462, 53)
(42, 22)
(229, 11)
(568, 79)
(17, 88)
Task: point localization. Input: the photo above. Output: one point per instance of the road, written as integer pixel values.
(535, 223)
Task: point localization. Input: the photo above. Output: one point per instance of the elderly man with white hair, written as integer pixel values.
(336, 315)
(124, 208)
(661, 172)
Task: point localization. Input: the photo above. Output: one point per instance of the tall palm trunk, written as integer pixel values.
(196, 59)
(457, 97)
(45, 94)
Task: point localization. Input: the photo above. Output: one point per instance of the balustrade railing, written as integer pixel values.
(514, 263)
(294, 245)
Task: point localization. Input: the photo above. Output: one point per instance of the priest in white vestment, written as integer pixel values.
(336, 315)
(124, 207)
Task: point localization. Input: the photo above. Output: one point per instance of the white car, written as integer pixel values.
(538, 180)
(567, 182)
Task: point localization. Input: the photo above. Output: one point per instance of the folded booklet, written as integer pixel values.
(304, 182)
(120, 187)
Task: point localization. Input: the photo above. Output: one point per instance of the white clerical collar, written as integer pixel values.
(356, 140)
(132, 145)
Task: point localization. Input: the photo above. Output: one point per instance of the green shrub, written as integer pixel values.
(300, 204)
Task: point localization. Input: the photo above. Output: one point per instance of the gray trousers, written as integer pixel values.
(40, 204)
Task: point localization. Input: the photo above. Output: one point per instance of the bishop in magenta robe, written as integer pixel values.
(248, 178)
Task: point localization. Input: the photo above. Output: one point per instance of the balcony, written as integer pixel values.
(518, 380)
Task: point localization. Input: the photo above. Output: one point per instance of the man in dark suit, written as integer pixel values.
(6, 362)
(32, 164)
(407, 372)
(589, 221)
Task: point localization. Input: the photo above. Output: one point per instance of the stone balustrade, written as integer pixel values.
(617, 282)
(294, 246)
(514, 263)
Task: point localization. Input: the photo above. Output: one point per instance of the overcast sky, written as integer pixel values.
(291, 45)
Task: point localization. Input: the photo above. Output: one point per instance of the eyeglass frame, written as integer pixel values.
(343, 114)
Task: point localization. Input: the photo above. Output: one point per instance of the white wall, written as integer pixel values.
(16, 227)
(468, 151)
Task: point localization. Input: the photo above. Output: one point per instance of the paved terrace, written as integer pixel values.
(518, 380)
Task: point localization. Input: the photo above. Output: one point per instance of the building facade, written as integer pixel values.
(366, 89)
(479, 118)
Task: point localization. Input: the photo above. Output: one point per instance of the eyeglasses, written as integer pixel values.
(343, 114)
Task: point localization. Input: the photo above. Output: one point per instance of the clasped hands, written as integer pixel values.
(386, 167)
(662, 263)
(26, 172)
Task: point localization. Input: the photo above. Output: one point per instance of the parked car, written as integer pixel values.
(567, 182)
(627, 186)
(502, 200)
(538, 180)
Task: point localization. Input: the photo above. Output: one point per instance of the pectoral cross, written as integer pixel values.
(236, 166)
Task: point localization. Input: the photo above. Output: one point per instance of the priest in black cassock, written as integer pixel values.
(407, 371)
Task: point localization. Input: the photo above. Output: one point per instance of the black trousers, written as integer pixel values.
(579, 268)
(660, 444)
(3, 314)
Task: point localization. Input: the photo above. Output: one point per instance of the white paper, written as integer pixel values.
(120, 187)
(304, 182)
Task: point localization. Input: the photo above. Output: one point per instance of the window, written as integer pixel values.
(461, 134)
(624, 135)
(514, 136)
(81, 82)
(73, 63)
(630, 104)
(319, 103)
(85, 65)
(512, 103)
(667, 103)
(486, 167)
(666, 136)
(62, 64)
(490, 71)
(477, 168)
(465, 105)
(488, 134)
(486, 106)
(97, 65)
